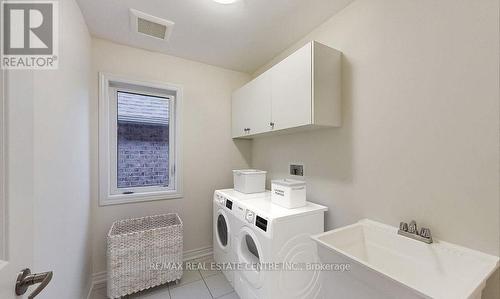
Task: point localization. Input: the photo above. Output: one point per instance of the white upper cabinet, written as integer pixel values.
(291, 90)
(251, 110)
(300, 92)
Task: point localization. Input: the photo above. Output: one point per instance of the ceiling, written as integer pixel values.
(242, 36)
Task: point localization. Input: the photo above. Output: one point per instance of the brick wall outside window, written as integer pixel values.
(142, 155)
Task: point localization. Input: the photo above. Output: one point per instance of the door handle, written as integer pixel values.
(25, 279)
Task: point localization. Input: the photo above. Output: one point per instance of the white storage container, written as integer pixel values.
(249, 180)
(289, 193)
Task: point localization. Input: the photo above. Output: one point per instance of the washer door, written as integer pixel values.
(250, 253)
(223, 230)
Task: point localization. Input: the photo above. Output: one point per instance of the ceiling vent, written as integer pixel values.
(149, 25)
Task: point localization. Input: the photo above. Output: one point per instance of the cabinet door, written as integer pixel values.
(292, 90)
(239, 114)
(252, 107)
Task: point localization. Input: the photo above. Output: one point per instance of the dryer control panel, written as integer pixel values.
(255, 219)
(258, 222)
(239, 211)
(261, 223)
(249, 215)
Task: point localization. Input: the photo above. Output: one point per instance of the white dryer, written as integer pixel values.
(268, 235)
(223, 223)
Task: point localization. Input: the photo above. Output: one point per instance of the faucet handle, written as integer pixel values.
(426, 233)
(403, 226)
(412, 227)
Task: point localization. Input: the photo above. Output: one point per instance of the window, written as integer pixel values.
(139, 141)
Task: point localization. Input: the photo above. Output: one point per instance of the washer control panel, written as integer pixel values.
(221, 200)
(229, 204)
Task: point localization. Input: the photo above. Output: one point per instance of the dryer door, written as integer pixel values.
(222, 227)
(249, 251)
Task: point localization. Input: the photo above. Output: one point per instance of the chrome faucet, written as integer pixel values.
(411, 231)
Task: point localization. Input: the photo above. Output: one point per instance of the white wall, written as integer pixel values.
(420, 133)
(209, 154)
(61, 158)
(18, 200)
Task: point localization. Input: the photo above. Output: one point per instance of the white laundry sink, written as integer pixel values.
(384, 264)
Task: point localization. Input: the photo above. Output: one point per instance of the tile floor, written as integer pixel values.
(195, 284)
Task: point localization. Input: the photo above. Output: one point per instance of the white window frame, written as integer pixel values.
(109, 193)
(113, 129)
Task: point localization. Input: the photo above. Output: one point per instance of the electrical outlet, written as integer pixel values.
(297, 169)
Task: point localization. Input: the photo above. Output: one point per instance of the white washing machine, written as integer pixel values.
(223, 223)
(268, 235)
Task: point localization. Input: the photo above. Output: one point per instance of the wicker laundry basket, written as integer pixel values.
(143, 253)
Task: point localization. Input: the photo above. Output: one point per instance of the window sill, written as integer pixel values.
(135, 198)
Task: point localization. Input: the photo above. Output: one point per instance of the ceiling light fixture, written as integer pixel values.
(226, 1)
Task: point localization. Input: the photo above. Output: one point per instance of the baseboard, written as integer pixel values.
(100, 277)
(90, 286)
(197, 253)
